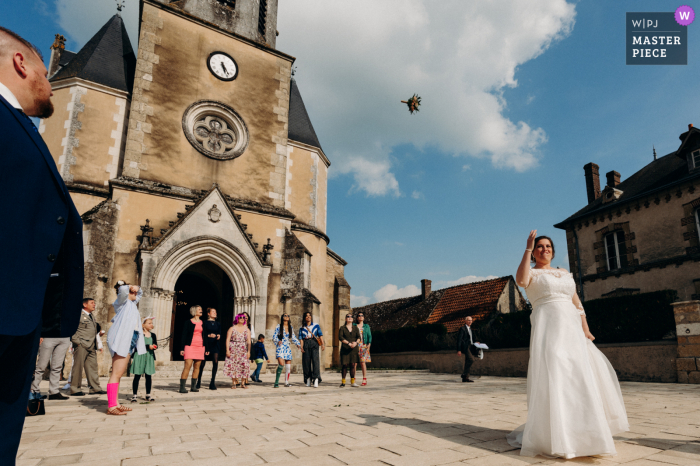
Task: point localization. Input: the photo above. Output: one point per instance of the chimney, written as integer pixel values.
(59, 45)
(690, 126)
(613, 178)
(592, 181)
(425, 288)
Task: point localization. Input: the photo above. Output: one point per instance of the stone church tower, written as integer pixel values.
(197, 171)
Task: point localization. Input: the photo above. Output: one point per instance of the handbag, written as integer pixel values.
(35, 408)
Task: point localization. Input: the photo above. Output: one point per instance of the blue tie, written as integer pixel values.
(28, 119)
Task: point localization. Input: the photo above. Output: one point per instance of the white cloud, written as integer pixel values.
(417, 195)
(466, 167)
(466, 279)
(390, 291)
(358, 301)
(357, 60)
(372, 177)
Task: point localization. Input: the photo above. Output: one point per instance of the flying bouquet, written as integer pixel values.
(413, 103)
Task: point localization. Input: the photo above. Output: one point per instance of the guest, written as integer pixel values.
(42, 256)
(86, 341)
(349, 336)
(259, 353)
(124, 337)
(465, 344)
(311, 334)
(283, 352)
(366, 342)
(100, 349)
(145, 364)
(237, 365)
(51, 350)
(212, 336)
(192, 349)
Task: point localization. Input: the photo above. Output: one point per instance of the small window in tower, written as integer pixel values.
(696, 158)
(262, 17)
(616, 250)
(697, 220)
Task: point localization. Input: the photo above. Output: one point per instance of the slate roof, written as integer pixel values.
(106, 59)
(448, 306)
(300, 127)
(659, 174)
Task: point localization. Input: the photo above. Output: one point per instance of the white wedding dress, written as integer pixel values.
(574, 402)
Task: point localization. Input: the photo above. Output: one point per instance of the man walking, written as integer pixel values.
(41, 277)
(465, 344)
(85, 348)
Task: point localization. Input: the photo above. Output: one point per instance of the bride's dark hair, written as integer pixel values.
(537, 240)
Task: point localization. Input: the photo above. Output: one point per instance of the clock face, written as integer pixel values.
(222, 66)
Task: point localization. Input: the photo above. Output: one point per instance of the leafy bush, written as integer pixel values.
(640, 317)
(633, 318)
(425, 337)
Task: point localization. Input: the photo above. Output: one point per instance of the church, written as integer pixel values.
(197, 171)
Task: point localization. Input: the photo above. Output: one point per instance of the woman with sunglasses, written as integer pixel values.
(312, 336)
(237, 365)
(349, 336)
(283, 333)
(366, 342)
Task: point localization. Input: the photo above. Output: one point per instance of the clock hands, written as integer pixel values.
(224, 68)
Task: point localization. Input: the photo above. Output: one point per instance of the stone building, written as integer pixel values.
(448, 306)
(196, 169)
(641, 234)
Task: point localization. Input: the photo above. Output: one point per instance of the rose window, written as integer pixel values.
(215, 130)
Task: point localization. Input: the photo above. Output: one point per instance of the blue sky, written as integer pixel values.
(510, 115)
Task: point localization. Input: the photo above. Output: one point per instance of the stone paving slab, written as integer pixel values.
(410, 419)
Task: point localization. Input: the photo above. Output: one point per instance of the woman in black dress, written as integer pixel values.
(349, 336)
(212, 335)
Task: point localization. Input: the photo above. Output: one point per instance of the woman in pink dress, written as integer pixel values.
(237, 365)
(192, 348)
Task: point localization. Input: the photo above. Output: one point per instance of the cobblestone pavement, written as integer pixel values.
(398, 419)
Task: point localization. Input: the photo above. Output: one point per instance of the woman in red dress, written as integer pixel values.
(192, 348)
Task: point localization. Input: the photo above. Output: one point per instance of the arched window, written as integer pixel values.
(262, 17)
(616, 250)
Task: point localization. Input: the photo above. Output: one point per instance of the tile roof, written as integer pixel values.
(476, 299)
(300, 127)
(448, 306)
(106, 59)
(664, 171)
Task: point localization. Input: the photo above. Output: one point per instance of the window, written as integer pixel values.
(697, 220)
(262, 17)
(695, 157)
(307, 270)
(616, 250)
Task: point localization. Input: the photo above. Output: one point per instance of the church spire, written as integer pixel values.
(120, 7)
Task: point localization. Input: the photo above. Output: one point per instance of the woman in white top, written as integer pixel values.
(124, 337)
(574, 402)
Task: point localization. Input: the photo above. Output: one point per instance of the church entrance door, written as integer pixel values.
(207, 285)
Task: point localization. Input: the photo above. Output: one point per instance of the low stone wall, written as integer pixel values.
(640, 362)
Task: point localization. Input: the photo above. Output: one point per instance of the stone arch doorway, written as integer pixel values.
(163, 266)
(207, 285)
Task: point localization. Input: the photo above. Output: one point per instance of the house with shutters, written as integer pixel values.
(641, 234)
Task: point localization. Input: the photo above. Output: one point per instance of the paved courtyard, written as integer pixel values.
(398, 419)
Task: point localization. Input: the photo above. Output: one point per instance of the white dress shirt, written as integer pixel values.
(9, 96)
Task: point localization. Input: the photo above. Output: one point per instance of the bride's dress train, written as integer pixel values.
(574, 402)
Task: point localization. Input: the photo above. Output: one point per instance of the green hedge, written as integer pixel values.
(633, 318)
(640, 317)
(426, 337)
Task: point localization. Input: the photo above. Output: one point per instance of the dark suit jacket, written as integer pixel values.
(39, 221)
(188, 333)
(463, 343)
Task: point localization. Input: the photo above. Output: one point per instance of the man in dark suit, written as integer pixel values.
(465, 344)
(41, 255)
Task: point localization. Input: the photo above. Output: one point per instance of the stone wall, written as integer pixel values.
(687, 314)
(638, 362)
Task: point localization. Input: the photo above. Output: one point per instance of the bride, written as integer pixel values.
(574, 401)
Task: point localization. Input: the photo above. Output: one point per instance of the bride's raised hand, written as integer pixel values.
(531, 240)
